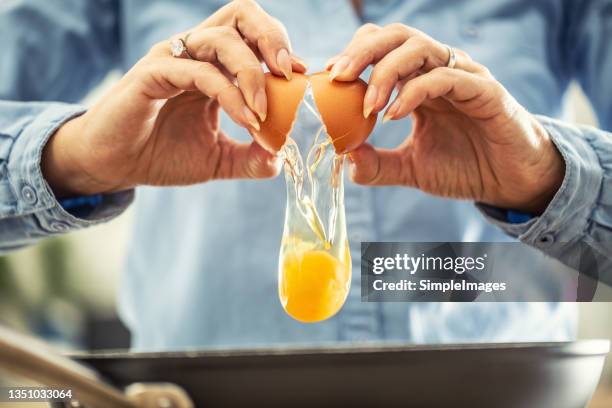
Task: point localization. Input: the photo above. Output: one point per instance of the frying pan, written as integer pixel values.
(527, 375)
(532, 375)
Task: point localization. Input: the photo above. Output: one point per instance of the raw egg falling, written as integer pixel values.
(312, 124)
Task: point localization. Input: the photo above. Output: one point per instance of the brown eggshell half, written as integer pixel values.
(284, 98)
(339, 103)
(341, 107)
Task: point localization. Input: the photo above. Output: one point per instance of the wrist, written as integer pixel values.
(548, 177)
(62, 162)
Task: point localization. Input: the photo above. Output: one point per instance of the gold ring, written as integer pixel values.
(452, 57)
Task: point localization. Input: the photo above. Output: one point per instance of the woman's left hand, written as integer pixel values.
(470, 138)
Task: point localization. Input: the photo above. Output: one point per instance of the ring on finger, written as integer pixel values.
(178, 48)
(452, 57)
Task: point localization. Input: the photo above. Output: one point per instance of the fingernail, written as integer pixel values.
(300, 62)
(251, 119)
(392, 111)
(370, 100)
(339, 68)
(261, 104)
(352, 171)
(276, 162)
(331, 62)
(284, 63)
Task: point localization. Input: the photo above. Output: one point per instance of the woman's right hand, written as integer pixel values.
(159, 125)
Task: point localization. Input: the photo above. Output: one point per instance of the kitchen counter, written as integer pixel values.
(602, 398)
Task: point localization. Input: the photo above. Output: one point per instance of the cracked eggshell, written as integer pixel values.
(341, 107)
(339, 103)
(284, 98)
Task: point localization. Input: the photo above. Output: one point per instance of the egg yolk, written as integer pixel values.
(313, 283)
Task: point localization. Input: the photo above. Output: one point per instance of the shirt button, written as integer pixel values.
(28, 194)
(59, 226)
(546, 240)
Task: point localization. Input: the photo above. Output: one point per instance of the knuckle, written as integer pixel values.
(236, 5)
(225, 94)
(145, 66)
(484, 71)
(158, 47)
(419, 45)
(415, 88)
(498, 90)
(271, 35)
(385, 71)
(276, 23)
(462, 54)
(225, 32)
(232, 8)
(368, 28)
(398, 29)
(245, 3)
(442, 74)
(252, 73)
(446, 72)
(364, 56)
(252, 69)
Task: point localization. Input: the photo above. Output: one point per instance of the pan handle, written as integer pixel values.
(36, 361)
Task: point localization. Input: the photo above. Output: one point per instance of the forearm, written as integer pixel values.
(577, 224)
(29, 210)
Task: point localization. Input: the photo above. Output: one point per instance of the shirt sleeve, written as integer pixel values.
(28, 209)
(54, 50)
(576, 227)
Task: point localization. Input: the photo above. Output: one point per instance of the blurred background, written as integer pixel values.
(64, 289)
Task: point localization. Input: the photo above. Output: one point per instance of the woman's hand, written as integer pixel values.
(160, 124)
(470, 139)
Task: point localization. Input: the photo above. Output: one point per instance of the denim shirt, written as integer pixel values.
(202, 263)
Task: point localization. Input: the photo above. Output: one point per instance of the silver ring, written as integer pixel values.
(178, 47)
(452, 57)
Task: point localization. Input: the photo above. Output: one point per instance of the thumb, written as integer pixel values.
(382, 167)
(246, 161)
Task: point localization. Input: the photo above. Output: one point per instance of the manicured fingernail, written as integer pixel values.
(284, 63)
(392, 111)
(251, 119)
(370, 100)
(352, 171)
(300, 62)
(331, 62)
(261, 104)
(276, 162)
(339, 67)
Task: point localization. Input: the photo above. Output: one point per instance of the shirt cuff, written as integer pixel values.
(566, 218)
(32, 195)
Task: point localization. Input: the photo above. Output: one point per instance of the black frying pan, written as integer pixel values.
(535, 375)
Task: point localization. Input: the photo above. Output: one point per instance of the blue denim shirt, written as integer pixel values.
(202, 263)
